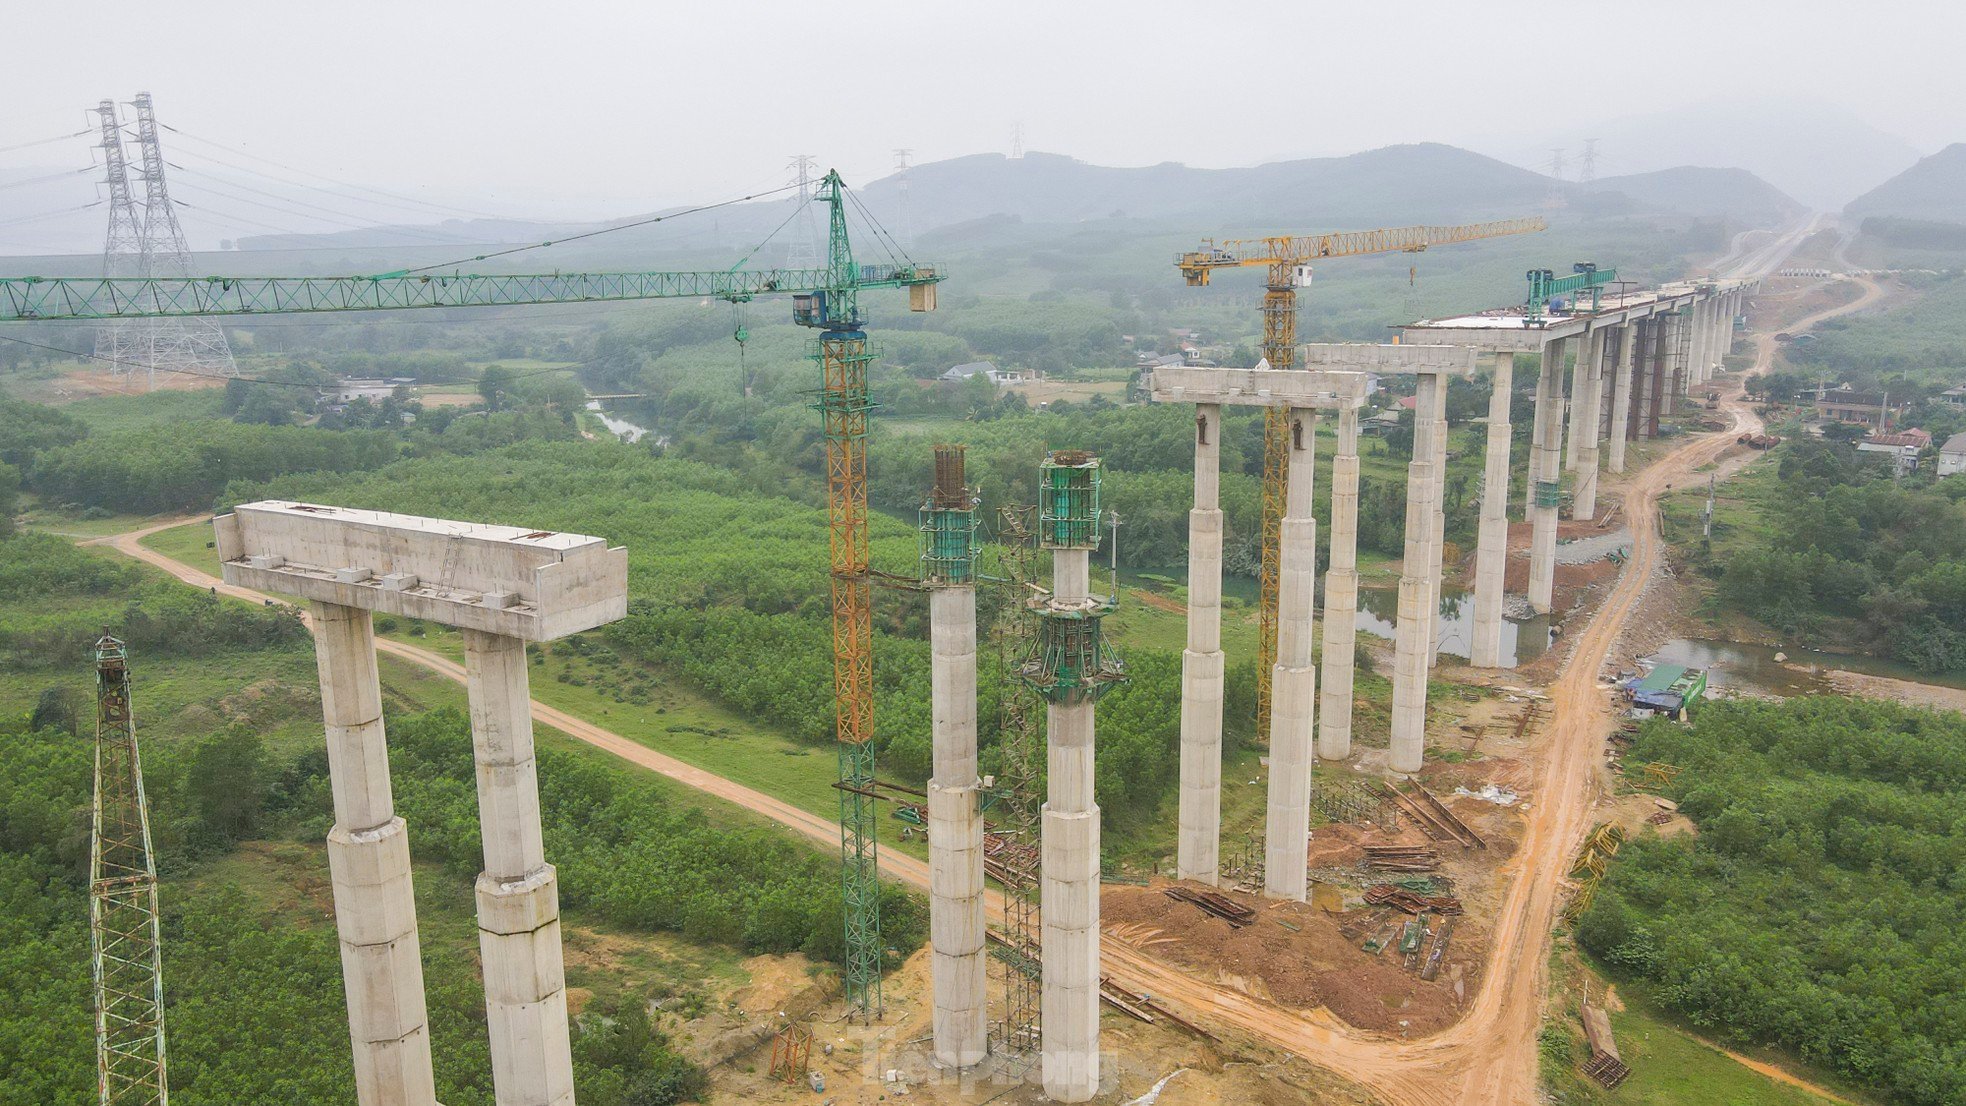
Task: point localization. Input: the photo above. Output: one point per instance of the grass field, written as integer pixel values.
(677, 720)
(150, 409)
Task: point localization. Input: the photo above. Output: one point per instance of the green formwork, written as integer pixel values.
(1068, 501)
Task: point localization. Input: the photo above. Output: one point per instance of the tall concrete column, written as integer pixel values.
(1492, 540)
(1543, 501)
(1070, 997)
(1294, 681)
(1412, 634)
(1437, 522)
(1334, 731)
(369, 859)
(955, 833)
(1696, 348)
(1621, 397)
(1573, 426)
(518, 893)
(1198, 851)
(1583, 504)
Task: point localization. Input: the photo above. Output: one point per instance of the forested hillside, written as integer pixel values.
(1817, 907)
(1829, 548)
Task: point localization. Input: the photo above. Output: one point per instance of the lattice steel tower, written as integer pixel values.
(800, 249)
(123, 934)
(195, 345)
(122, 252)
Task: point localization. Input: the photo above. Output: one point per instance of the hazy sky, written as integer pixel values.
(588, 108)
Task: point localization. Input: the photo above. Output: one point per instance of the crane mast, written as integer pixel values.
(1287, 258)
(123, 932)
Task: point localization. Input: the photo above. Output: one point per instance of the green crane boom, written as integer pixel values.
(35, 298)
(826, 299)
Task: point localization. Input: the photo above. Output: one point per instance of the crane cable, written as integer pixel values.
(597, 233)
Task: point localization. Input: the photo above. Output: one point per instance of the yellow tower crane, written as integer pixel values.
(1288, 258)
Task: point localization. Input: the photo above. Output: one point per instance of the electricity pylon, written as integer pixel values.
(194, 345)
(122, 251)
(123, 934)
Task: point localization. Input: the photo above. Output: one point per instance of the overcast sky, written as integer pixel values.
(586, 108)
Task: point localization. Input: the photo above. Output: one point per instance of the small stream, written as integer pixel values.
(1522, 641)
(1748, 669)
(622, 428)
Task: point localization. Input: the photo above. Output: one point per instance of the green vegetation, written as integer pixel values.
(1913, 349)
(240, 803)
(1817, 907)
(1826, 545)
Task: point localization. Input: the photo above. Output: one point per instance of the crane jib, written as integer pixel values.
(31, 298)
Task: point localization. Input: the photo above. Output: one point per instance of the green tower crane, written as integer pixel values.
(826, 299)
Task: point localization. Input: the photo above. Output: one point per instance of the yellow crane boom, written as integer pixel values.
(1288, 258)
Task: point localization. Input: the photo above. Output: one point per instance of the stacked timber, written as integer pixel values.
(1411, 902)
(1401, 858)
(1223, 907)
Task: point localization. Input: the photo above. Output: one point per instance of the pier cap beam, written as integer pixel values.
(1397, 359)
(535, 585)
(1323, 391)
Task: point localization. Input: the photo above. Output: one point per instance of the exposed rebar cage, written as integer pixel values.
(124, 940)
(948, 524)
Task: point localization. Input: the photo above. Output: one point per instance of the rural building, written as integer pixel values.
(1902, 447)
(1953, 397)
(374, 389)
(1952, 455)
(1669, 689)
(1844, 404)
(984, 369)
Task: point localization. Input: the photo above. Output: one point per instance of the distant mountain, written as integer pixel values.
(1409, 184)
(1814, 151)
(989, 197)
(1933, 190)
(1732, 194)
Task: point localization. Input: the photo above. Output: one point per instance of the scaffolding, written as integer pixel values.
(123, 931)
(1020, 750)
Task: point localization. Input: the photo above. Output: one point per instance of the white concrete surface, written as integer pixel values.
(1198, 849)
(369, 865)
(530, 584)
(1492, 535)
(1621, 397)
(1069, 998)
(518, 892)
(1334, 731)
(1589, 418)
(955, 834)
(1293, 682)
(1548, 469)
(1412, 633)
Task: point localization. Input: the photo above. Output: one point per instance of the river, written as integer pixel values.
(1522, 642)
(622, 428)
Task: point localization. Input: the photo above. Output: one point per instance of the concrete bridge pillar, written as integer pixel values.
(369, 862)
(1492, 540)
(1198, 851)
(1590, 385)
(1548, 471)
(1294, 682)
(1413, 633)
(518, 892)
(1621, 397)
(1334, 731)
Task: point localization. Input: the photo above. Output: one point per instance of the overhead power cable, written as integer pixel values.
(331, 180)
(49, 214)
(22, 183)
(604, 230)
(45, 141)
